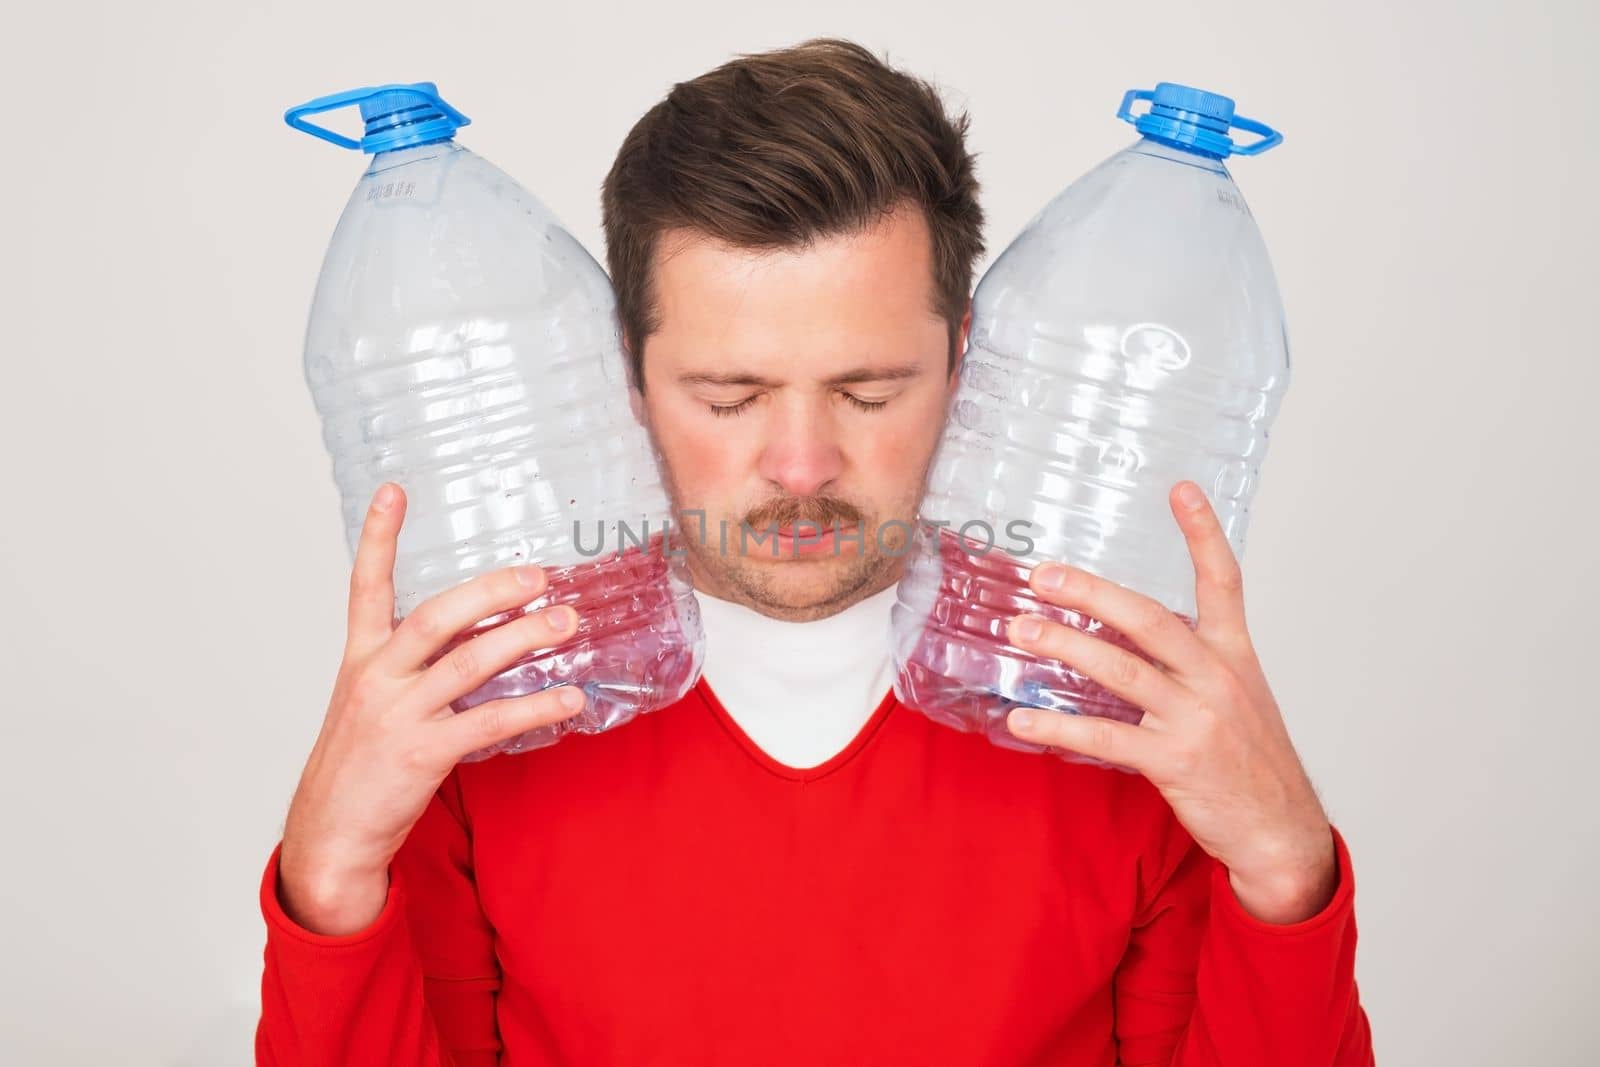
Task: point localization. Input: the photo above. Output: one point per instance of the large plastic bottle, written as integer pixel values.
(1131, 337)
(464, 345)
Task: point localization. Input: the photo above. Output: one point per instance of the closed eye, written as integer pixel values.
(866, 405)
(723, 411)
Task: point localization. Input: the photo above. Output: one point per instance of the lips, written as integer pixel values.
(813, 530)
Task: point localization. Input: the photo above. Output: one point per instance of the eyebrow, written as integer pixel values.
(893, 373)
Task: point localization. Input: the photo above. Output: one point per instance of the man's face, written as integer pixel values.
(795, 390)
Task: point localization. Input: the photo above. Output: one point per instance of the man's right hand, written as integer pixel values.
(390, 737)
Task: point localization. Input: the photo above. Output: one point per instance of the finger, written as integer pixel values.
(472, 663)
(1149, 625)
(370, 618)
(1088, 735)
(1218, 581)
(494, 721)
(1118, 670)
(437, 620)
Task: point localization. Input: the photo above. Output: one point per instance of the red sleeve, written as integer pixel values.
(414, 989)
(1205, 984)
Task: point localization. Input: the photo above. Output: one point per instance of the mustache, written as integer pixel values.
(821, 512)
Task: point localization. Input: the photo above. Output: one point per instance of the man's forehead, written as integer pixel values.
(846, 309)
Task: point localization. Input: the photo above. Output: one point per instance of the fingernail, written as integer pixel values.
(529, 575)
(571, 698)
(563, 617)
(1190, 495)
(1021, 719)
(384, 499)
(1028, 628)
(1052, 576)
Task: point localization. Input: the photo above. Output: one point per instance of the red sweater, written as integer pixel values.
(666, 893)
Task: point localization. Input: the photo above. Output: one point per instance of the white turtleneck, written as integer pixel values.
(802, 691)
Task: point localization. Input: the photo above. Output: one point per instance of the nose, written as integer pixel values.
(802, 453)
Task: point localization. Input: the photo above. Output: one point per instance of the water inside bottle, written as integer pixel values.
(960, 670)
(632, 648)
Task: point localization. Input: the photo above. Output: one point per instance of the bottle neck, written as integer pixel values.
(1189, 157)
(399, 157)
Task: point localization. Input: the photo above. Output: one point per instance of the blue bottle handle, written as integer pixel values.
(1267, 136)
(1266, 139)
(1125, 112)
(296, 116)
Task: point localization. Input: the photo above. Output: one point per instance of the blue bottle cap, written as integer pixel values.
(397, 116)
(1195, 120)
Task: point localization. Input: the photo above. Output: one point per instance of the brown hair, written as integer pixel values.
(775, 149)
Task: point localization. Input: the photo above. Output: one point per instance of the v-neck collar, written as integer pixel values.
(839, 759)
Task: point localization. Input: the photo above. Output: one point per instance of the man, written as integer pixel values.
(792, 867)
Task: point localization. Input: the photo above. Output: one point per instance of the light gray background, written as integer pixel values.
(1420, 572)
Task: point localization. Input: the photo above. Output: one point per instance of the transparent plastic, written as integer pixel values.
(464, 345)
(1130, 338)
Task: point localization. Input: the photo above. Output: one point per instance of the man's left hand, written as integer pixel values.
(1212, 738)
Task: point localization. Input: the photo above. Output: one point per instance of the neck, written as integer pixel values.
(799, 690)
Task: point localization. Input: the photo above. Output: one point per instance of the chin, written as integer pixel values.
(800, 589)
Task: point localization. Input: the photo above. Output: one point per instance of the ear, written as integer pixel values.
(961, 348)
(636, 402)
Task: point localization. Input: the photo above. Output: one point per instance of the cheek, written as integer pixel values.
(705, 459)
(894, 454)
